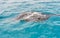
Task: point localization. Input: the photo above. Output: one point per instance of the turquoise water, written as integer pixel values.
(22, 29)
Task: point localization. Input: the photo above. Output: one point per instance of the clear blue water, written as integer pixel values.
(22, 29)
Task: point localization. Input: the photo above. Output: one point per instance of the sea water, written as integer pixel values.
(10, 9)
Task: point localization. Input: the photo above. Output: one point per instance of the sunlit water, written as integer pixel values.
(22, 29)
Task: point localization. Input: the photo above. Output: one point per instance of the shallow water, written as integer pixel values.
(21, 29)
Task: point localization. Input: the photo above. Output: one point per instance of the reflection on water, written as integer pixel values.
(22, 29)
